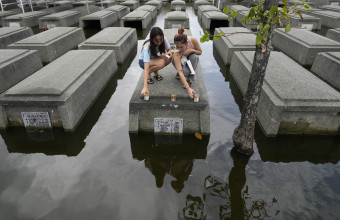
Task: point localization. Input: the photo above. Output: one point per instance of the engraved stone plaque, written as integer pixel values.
(50, 26)
(168, 125)
(14, 24)
(36, 119)
(307, 26)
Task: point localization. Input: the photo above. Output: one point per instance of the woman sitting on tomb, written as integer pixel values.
(155, 55)
(187, 49)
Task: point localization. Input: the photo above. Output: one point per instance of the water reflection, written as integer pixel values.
(173, 155)
(56, 141)
(230, 200)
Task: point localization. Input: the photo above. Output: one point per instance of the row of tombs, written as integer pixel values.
(293, 99)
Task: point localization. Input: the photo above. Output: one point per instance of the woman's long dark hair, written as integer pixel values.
(156, 31)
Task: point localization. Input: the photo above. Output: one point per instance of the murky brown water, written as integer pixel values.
(101, 172)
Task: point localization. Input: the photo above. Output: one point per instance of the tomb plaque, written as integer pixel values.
(168, 125)
(36, 119)
(13, 24)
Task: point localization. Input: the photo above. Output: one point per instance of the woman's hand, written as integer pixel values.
(188, 52)
(145, 91)
(191, 92)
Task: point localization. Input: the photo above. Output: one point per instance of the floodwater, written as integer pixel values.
(101, 172)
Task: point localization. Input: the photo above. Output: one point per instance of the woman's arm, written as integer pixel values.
(177, 57)
(197, 46)
(145, 89)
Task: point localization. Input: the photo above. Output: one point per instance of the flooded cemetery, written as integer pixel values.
(78, 141)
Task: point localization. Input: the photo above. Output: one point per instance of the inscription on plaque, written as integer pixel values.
(168, 125)
(334, 3)
(176, 25)
(50, 26)
(307, 26)
(14, 24)
(36, 119)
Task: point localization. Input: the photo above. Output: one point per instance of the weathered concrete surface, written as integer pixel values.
(28, 19)
(329, 19)
(150, 8)
(86, 10)
(177, 5)
(237, 8)
(204, 8)
(240, 39)
(327, 67)
(56, 3)
(121, 40)
(334, 34)
(61, 19)
(120, 10)
(156, 3)
(106, 4)
(176, 19)
(170, 34)
(58, 8)
(199, 3)
(83, 3)
(196, 116)
(143, 17)
(10, 35)
(330, 8)
(293, 100)
(252, 24)
(16, 65)
(4, 14)
(131, 4)
(212, 19)
(65, 89)
(309, 22)
(53, 43)
(303, 45)
(101, 18)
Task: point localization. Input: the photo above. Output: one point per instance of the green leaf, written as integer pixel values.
(306, 6)
(225, 10)
(234, 13)
(295, 5)
(261, 25)
(273, 9)
(204, 38)
(258, 39)
(287, 29)
(242, 20)
(285, 2)
(266, 28)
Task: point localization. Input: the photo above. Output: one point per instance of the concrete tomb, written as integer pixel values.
(330, 8)
(61, 19)
(58, 8)
(327, 67)
(83, 3)
(161, 115)
(177, 5)
(329, 19)
(308, 22)
(176, 19)
(87, 9)
(334, 34)
(100, 19)
(150, 8)
(106, 3)
(131, 4)
(170, 34)
(56, 3)
(205, 8)
(28, 19)
(121, 40)
(138, 19)
(293, 100)
(4, 14)
(239, 39)
(53, 43)
(199, 3)
(10, 35)
(59, 94)
(237, 8)
(252, 24)
(156, 3)
(120, 10)
(213, 19)
(302, 45)
(16, 65)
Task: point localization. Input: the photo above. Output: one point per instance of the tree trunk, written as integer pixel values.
(243, 136)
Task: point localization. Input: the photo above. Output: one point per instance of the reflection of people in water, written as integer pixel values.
(179, 167)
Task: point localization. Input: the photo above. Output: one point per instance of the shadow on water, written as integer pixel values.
(56, 141)
(173, 155)
(223, 200)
